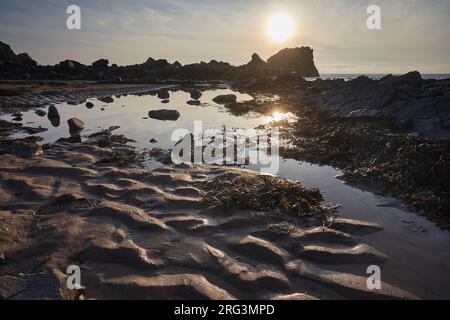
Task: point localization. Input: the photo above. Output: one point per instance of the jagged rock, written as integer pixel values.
(25, 60)
(164, 114)
(256, 62)
(225, 98)
(7, 55)
(299, 60)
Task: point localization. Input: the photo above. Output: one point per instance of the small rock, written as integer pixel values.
(193, 103)
(196, 94)
(53, 113)
(89, 105)
(75, 124)
(153, 141)
(225, 98)
(164, 114)
(106, 99)
(40, 113)
(163, 94)
(165, 101)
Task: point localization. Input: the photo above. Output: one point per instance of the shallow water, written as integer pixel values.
(419, 259)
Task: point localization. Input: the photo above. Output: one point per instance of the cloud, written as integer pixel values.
(415, 32)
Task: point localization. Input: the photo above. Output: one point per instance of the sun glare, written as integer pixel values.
(280, 27)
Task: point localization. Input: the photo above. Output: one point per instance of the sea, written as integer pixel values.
(373, 76)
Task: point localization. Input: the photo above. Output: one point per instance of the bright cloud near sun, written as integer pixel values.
(280, 27)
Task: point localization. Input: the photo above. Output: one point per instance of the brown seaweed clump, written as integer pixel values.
(265, 193)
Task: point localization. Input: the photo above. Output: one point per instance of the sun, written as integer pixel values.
(280, 27)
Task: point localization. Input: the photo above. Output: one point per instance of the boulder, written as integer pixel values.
(225, 98)
(75, 124)
(164, 114)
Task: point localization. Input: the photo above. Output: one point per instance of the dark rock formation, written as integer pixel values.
(299, 60)
(418, 105)
(256, 63)
(22, 67)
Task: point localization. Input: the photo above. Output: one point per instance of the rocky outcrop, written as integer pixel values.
(22, 67)
(256, 63)
(419, 105)
(299, 60)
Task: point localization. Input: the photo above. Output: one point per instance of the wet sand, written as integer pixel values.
(148, 235)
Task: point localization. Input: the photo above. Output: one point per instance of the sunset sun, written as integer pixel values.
(280, 27)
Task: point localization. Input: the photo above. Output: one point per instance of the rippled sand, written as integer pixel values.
(148, 235)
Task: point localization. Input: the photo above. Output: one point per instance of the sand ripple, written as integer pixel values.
(139, 234)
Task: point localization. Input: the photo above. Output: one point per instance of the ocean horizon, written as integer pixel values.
(374, 76)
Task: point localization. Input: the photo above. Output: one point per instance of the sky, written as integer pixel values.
(415, 34)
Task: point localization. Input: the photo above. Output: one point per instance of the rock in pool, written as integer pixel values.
(40, 113)
(196, 94)
(164, 114)
(106, 99)
(225, 98)
(163, 94)
(53, 113)
(75, 124)
(193, 103)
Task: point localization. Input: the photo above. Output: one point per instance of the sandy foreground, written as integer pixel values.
(149, 235)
